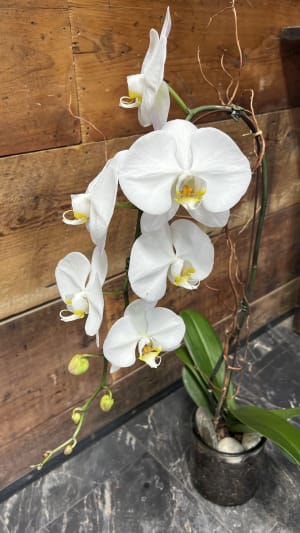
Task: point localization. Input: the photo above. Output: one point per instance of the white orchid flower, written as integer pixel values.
(143, 332)
(80, 285)
(147, 90)
(201, 169)
(95, 207)
(181, 252)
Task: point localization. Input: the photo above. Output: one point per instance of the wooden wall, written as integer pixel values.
(64, 59)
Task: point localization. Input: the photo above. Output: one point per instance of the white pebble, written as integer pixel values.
(230, 445)
(250, 440)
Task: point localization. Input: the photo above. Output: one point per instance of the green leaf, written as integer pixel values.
(272, 426)
(197, 394)
(289, 412)
(205, 349)
(183, 355)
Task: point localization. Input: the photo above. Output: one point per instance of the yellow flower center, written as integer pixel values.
(79, 312)
(150, 354)
(188, 193)
(184, 276)
(80, 216)
(135, 96)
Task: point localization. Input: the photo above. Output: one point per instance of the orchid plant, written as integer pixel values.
(203, 172)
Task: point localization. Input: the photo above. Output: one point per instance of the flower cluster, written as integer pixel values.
(177, 164)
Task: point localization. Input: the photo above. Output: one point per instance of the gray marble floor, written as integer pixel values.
(136, 479)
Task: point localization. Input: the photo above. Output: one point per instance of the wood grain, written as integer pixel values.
(33, 238)
(36, 347)
(60, 53)
(37, 79)
(36, 417)
(110, 41)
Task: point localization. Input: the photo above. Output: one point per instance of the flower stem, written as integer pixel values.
(237, 113)
(201, 109)
(69, 444)
(263, 208)
(179, 100)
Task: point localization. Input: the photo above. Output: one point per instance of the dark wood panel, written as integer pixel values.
(36, 347)
(37, 79)
(32, 235)
(138, 386)
(33, 238)
(110, 41)
(21, 4)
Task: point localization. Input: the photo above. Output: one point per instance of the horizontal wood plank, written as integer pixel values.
(21, 4)
(110, 41)
(38, 185)
(36, 347)
(65, 390)
(37, 79)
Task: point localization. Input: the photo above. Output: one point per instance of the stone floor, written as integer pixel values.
(136, 480)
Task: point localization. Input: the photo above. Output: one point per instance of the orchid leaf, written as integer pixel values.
(184, 356)
(205, 349)
(192, 387)
(272, 426)
(289, 412)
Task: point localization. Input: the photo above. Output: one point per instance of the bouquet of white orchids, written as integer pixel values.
(175, 166)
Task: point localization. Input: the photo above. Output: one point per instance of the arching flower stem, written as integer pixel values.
(179, 100)
(238, 113)
(68, 445)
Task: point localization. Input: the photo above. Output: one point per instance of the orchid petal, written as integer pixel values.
(151, 255)
(193, 245)
(161, 106)
(94, 293)
(71, 274)
(81, 204)
(103, 191)
(136, 85)
(99, 264)
(145, 177)
(154, 70)
(136, 313)
(165, 327)
(182, 131)
(222, 165)
(120, 344)
(96, 306)
(166, 25)
(212, 220)
(153, 43)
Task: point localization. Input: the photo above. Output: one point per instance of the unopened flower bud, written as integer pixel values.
(76, 416)
(78, 365)
(46, 454)
(107, 402)
(68, 450)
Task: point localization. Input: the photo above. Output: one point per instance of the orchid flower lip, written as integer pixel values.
(189, 190)
(70, 317)
(77, 221)
(148, 352)
(128, 102)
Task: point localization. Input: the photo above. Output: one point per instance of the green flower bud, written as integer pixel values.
(78, 365)
(68, 450)
(76, 416)
(107, 402)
